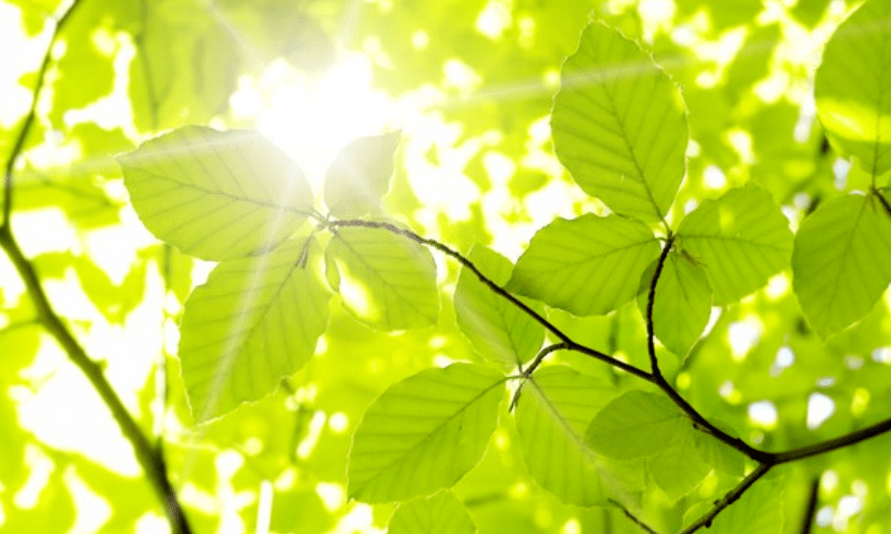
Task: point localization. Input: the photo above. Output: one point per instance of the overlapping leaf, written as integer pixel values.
(741, 239)
(499, 331)
(758, 511)
(255, 321)
(216, 195)
(385, 280)
(842, 261)
(852, 87)
(424, 433)
(682, 305)
(555, 408)
(360, 175)
(442, 513)
(646, 425)
(589, 265)
(619, 125)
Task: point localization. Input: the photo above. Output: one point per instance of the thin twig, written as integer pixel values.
(882, 200)
(807, 520)
(559, 334)
(643, 526)
(148, 456)
(832, 444)
(651, 300)
(705, 520)
(19, 143)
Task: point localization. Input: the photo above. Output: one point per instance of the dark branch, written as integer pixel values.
(651, 300)
(705, 520)
(643, 526)
(832, 444)
(559, 334)
(882, 200)
(807, 521)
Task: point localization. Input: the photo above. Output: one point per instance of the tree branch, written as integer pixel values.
(882, 200)
(643, 526)
(832, 444)
(807, 520)
(651, 300)
(19, 143)
(148, 456)
(559, 334)
(705, 520)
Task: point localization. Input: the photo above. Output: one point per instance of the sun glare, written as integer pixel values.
(311, 118)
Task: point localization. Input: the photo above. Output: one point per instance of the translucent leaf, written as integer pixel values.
(499, 331)
(758, 511)
(360, 175)
(619, 125)
(555, 408)
(216, 195)
(589, 265)
(647, 425)
(442, 513)
(842, 261)
(636, 425)
(741, 239)
(386, 280)
(851, 89)
(255, 321)
(683, 303)
(424, 433)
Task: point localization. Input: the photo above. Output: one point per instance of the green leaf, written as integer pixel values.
(386, 280)
(555, 408)
(758, 511)
(255, 321)
(360, 175)
(498, 330)
(683, 303)
(442, 513)
(647, 425)
(424, 433)
(842, 261)
(851, 89)
(216, 195)
(741, 239)
(589, 265)
(619, 125)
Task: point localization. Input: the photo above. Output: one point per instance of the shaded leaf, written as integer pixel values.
(842, 261)
(424, 433)
(360, 175)
(386, 280)
(255, 321)
(442, 513)
(741, 239)
(555, 408)
(498, 330)
(851, 87)
(619, 125)
(216, 195)
(758, 511)
(589, 265)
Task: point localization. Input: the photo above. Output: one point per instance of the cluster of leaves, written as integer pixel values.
(600, 330)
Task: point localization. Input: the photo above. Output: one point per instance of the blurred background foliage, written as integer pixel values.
(470, 84)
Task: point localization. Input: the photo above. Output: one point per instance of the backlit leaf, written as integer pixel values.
(254, 322)
(386, 280)
(589, 265)
(683, 303)
(360, 175)
(499, 331)
(619, 125)
(842, 261)
(758, 511)
(555, 408)
(741, 239)
(216, 195)
(851, 88)
(424, 433)
(442, 513)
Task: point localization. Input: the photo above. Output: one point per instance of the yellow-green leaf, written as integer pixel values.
(442, 513)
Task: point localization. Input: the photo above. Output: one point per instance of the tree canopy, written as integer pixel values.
(450, 267)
